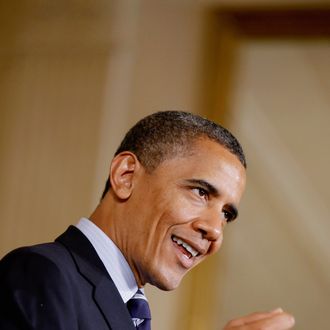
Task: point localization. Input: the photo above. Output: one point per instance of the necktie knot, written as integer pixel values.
(139, 309)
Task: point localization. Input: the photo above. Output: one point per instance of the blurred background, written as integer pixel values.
(75, 75)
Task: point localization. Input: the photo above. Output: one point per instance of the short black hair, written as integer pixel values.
(165, 134)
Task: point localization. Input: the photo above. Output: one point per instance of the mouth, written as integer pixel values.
(187, 250)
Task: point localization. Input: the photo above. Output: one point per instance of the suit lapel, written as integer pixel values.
(91, 267)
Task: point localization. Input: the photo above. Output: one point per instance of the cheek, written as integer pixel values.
(180, 209)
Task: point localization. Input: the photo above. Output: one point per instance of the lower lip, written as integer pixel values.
(184, 260)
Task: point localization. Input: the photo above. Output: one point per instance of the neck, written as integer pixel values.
(110, 217)
(104, 215)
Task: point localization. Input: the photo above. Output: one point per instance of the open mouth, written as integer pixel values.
(185, 248)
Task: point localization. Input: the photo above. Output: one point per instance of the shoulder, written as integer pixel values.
(34, 285)
(29, 256)
(26, 265)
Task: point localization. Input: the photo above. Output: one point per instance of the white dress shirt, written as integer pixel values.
(112, 258)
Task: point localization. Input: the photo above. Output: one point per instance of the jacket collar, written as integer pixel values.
(91, 267)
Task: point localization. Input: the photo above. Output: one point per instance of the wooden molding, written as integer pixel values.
(226, 27)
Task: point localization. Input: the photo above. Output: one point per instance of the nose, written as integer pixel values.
(210, 225)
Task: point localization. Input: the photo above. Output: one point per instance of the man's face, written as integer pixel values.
(177, 213)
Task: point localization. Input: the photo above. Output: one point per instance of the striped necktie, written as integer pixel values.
(139, 309)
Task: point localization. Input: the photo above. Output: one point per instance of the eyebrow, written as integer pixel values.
(215, 192)
(206, 185)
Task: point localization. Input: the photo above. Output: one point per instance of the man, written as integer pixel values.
(174, 183)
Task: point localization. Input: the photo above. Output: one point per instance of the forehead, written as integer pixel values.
(207, 160)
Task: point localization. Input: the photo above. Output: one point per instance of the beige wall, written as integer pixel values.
(75, 75)
(52, 83)
(276, 254)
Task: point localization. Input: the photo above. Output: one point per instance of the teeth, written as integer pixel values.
(185, 245)
(190, 249)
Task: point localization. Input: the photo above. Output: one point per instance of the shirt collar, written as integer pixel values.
(112, 258)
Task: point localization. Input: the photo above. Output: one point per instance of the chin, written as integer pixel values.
(166, 287)
(165, 281)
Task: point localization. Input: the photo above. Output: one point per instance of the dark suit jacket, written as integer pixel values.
(60, 285)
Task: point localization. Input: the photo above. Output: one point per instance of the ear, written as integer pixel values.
(122, 171)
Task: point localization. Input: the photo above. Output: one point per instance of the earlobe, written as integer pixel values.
(122, 171)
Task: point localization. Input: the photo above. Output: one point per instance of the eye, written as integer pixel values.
(201, 192)
(228, 216)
